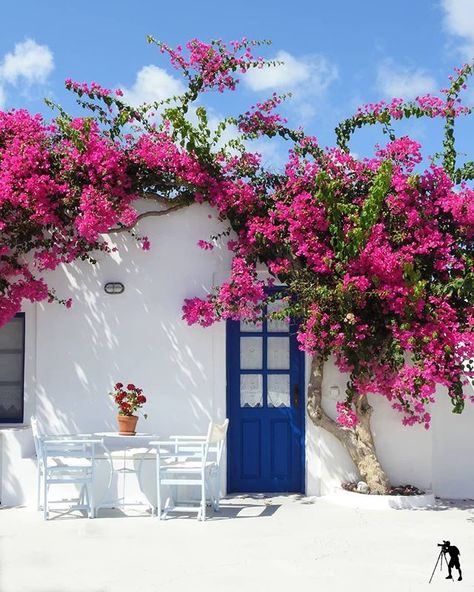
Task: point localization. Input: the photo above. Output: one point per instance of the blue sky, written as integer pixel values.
(339, 54)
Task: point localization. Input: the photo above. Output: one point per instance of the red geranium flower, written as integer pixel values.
(129, 399)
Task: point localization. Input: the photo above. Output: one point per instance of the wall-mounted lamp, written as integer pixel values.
(334, 392)
(114, 288)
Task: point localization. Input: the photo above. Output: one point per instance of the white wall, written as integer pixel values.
(453, 448)
(73, 357)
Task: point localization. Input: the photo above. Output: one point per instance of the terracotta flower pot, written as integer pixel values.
(127, 424)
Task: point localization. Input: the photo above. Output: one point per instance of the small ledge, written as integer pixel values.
(364, 501)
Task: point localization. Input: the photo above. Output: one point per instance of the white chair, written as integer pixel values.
(191, 460)
(64, 460)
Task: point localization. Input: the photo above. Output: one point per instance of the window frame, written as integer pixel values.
(20, 418)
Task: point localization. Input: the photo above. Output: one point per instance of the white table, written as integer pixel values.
(115, 447)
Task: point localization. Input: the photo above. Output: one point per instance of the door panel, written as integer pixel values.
(250, 441)
(265, 375)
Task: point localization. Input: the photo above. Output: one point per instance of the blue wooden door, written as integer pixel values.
(265, 405)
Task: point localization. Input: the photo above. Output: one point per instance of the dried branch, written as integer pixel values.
(151, 213)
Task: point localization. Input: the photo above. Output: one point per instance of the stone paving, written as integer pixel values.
(254, 544)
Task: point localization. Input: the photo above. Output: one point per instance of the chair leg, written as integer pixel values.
(45, 497)
(85, 499)
(38, 487)
(215, 494)
(202, 513)
(217, 482)
(158, 493)
(81, 500)
(90, 499)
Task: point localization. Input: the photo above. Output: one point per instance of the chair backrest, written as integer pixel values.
(217, 432)
(60, 446)
(36, 436)
(216, 435)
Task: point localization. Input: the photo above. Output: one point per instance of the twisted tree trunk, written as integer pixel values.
(358, 441)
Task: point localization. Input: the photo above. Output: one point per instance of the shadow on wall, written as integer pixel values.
(137, 336)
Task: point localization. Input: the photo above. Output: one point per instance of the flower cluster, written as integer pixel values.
(346, 416)
(429, 105)
(213, 64)
(129, 399)
(198, 311)
(59, 193)
(261, 120)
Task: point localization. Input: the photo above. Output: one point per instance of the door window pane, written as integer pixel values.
(278, 353)
(251, 353)
(251, 327)
(274, 326)
(251, 390)
(278, 390)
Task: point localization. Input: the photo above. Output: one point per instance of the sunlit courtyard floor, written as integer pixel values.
(254, 544)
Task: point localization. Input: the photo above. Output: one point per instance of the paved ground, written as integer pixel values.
(275, 544)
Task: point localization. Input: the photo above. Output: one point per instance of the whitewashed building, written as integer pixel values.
(191, 375)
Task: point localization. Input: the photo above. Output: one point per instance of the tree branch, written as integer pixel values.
(154, 213)
(314, 407)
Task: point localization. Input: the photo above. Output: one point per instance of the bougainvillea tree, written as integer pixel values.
(376, 256)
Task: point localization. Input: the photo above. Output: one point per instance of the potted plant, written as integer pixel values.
(129, 400)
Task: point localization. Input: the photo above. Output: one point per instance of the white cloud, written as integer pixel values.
(306, 77)
(402, 82)
(3, 98)
(459, 21)
(152, 84)
(312, 73)
(29, 61)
